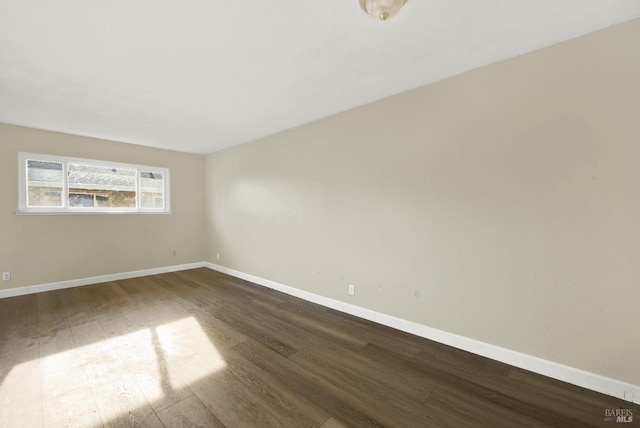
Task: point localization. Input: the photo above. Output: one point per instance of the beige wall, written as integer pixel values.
(507, 197)
(40, 249)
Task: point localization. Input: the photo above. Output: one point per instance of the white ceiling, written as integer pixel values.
(198, 76)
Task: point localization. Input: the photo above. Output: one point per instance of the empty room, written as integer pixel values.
(347, 213)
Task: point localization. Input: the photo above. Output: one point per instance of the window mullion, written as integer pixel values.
(138, 190)
(65, 186)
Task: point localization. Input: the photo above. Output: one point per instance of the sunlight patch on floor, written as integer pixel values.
(118, 374)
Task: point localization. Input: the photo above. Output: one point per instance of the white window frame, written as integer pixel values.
(65, 208)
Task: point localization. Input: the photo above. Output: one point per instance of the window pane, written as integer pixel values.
(101, 186)
(151, 189)
(44, 184)
(102, 201)
(80, 200)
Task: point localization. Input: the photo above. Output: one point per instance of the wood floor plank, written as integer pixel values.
(66, 394)
(307, 333)
(189, 413)
(472, 409)
(460, 372)
(567, 400)
(288, 408)
(77, 308)
(20, 376)
(18, 323)
(200, 348)
(226, 398)
(389, 405)
(315, 390)
(51, 314)
(146, 360)
(258, 331)
(100, 298)
(21, 388)
(368, 332)
(333, 423)
(118, 398)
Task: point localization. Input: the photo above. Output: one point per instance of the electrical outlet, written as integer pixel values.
(352, 290)
(6, 276)
(416, 293)
(217, 256)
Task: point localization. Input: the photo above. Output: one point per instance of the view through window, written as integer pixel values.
(54, 184)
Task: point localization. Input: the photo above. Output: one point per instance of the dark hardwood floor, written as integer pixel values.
(199, 348)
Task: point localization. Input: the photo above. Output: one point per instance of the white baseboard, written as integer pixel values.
(31, 289)
(584, 379)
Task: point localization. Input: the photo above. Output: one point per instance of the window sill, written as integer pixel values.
(93, 212)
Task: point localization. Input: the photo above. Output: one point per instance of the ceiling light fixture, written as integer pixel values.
(382, 9)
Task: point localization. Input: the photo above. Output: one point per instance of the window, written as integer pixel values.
(52, 184)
